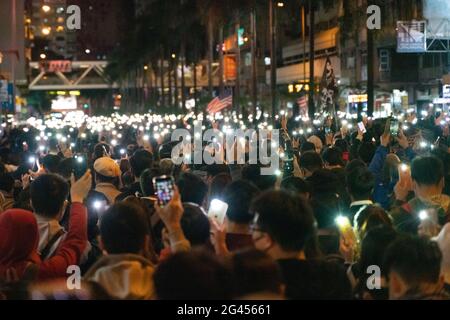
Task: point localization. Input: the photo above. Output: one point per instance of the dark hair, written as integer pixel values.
(373, 247)
(192, 188)
(307, 146)
(416, 260)
(371, 217)
(193, 275)
(360, 183)
(65, 167)
(311, 161)
(238, 195)
(295, 184)
(218, 185)
(99, 151)
(333, 156)
(286, 217)
(427, 170)
(341, 144)
(254, 271)
(123, 228)
(355, 163)
(195, 225)
(366, 151)
(139, 161)
(324, 181)
(147, 181)
(48, 193)
(252, 173)
(6, 182)
(215, 169)
(51, 163)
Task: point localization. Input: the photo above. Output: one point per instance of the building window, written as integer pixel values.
(384, 60)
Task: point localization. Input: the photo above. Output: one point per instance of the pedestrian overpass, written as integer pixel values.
(69, 75)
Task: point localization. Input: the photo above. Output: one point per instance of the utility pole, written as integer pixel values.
(370, 73)
(254, 69)
(311, 107)
(273, 57)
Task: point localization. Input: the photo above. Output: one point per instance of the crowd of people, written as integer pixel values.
(355, 212)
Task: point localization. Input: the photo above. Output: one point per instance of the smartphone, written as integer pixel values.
(393, 127)
(80, 166)
(345, 228)
(164, 188)
(217, 210)
(362, 127)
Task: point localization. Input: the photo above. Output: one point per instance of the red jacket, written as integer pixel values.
(70, 250)
(19, 238)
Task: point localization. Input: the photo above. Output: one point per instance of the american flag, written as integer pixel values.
(218, 103)
(303, 101)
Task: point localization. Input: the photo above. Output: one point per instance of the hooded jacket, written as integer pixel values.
(124, 276)
(19, 239)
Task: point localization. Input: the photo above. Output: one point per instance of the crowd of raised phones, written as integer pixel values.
(357, 214)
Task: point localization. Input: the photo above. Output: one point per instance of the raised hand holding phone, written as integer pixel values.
(217, 211)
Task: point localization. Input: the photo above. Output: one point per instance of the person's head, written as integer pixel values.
(427, 173)
(283, 223)
(369, 218)
(252, 173)
(307, 146)
(124, 229)
(139, 161)
(192, 188)
(297, 185)
(195, 224)
(19, 238)
(6, 182)
(106, 170)
(218, 185)
(100, 150)
(65, 168)
(355, 163)
(413, 266)
(317, 143)
(366, 151)
(238, 195)
(193, 275)
(373, 247)
(324, 181)
(254, 272)
(51, 163)
(48, 194)
(360, 183)
(310, 162)
(146, 181)
(332, 157)
(215, 169)
(341, 144)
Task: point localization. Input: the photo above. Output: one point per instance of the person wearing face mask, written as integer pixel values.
(283, 227)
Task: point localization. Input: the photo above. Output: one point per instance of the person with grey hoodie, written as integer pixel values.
(126, 269)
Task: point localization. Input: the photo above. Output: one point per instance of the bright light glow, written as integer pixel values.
(113, 142)
(278, 172)
(87, 51)
(122, 151)
(80, 159)
(404, 167)
(97, 204)
(46, 31)
(146, 137)
(31, 159)
(342, 221)
(423, 215)
(46, 8)
(42, 56)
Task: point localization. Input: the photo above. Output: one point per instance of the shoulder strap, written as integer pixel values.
(48, 247)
